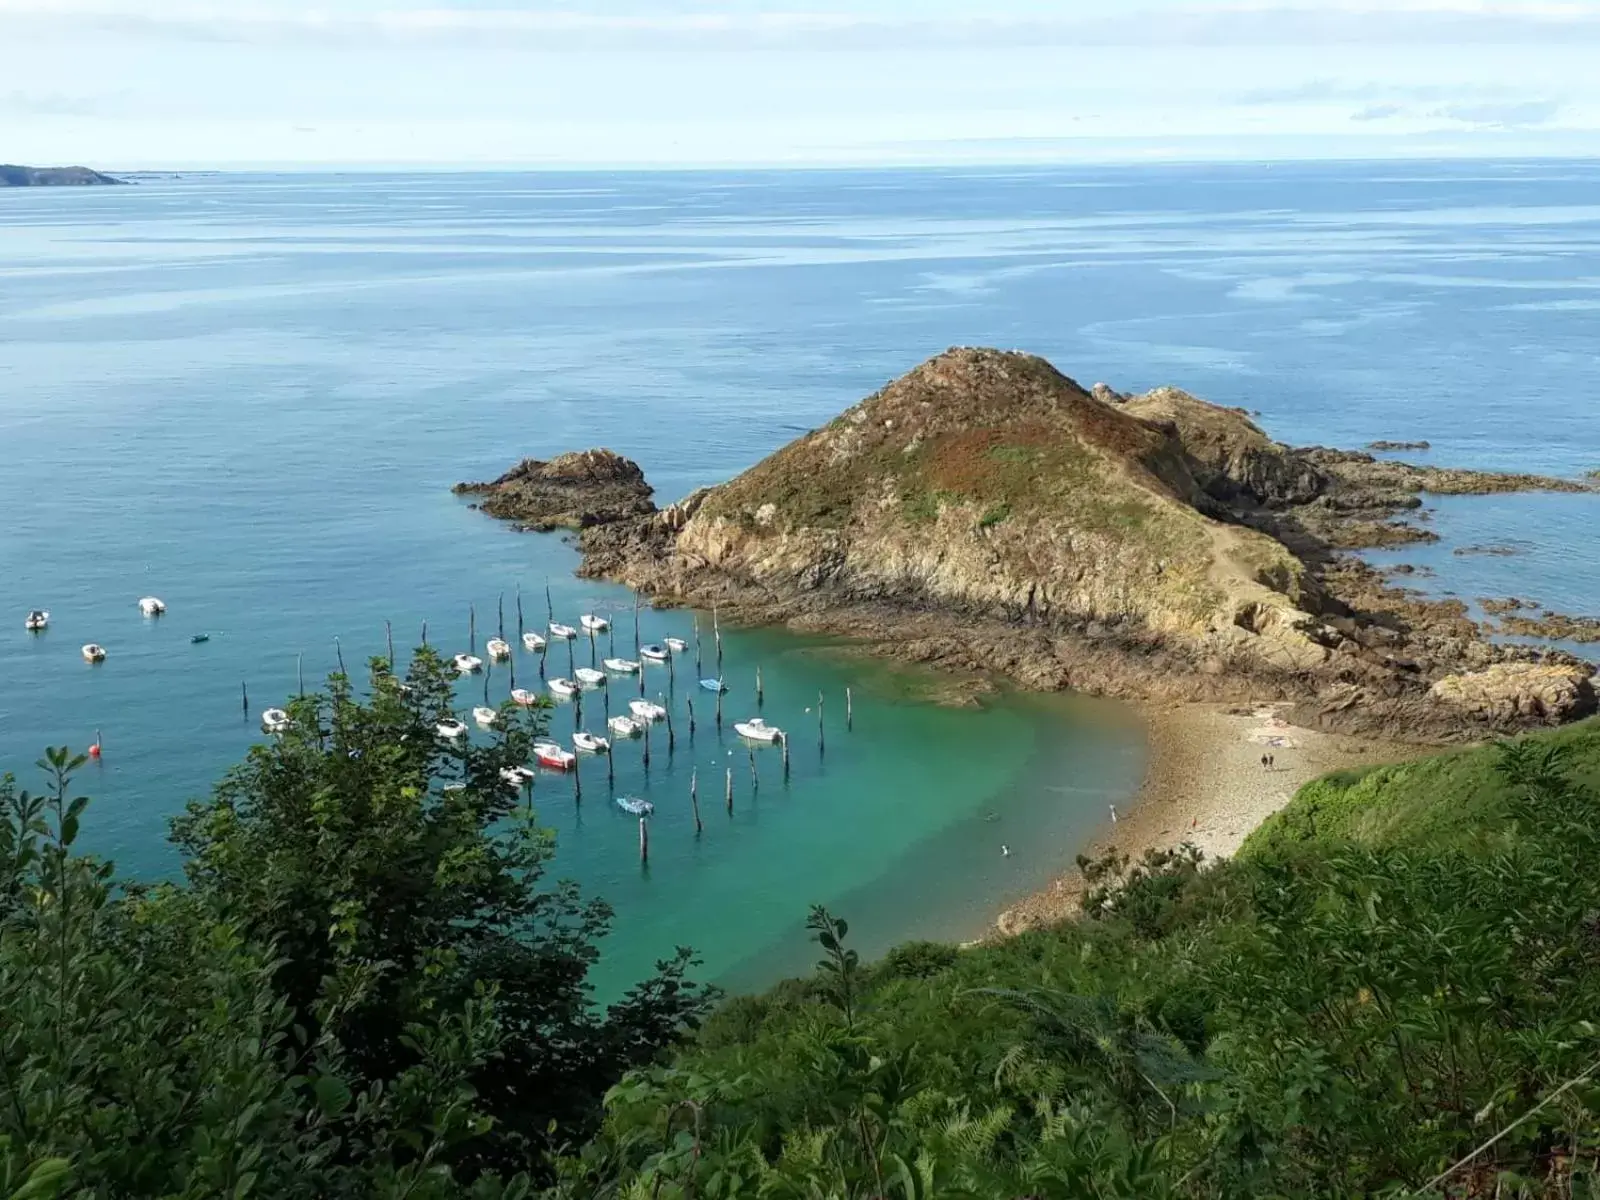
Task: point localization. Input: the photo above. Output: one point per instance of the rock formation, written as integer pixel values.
(1510, 695)
(14, 176)
(569, 491)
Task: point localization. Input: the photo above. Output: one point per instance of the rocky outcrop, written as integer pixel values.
(1510, 695)
(1235, 459)
(1388, 446)
(15, 176)
(573, 491)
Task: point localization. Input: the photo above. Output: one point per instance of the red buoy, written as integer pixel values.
(94, 750)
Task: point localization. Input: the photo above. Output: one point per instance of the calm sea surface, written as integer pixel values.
(249, 395)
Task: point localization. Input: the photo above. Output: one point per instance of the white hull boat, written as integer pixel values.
(523, 698)
(532, 642)
(757, 730)
(588, 743)
(676, 645)
(515, 777)
(624, 727)
(93, 653)
(647, 710)
(499, 649)
(622, 666)
(468, 664)
(655, 654)
(553, 756)
(594, 624)
(37, 620)
(485, 717)
(636, 806)
(565, 632)
(563, 687)
(590, 678)
(451, 731)
(275, 720)
(150, 606)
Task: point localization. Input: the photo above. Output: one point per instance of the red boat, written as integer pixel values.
(549, 754)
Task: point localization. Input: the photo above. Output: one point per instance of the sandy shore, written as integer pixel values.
(1205, 784)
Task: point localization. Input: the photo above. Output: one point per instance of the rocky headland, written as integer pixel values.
(15, 176)
(985, 512)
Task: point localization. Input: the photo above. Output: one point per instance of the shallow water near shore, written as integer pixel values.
(250, 396)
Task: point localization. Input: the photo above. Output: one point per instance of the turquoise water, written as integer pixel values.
(250, 395)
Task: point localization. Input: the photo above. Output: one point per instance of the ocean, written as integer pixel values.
(249, 395)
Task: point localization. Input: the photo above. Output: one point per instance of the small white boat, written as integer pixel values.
(654, 653)
(713, 685)
(565, 632)
(468, 664)
(150, 606)
(37, 620)
(563, 687)
(622, 666)
(515, 777)
(93, 653)
(594, 624)
(485, 717)
(636, 806)
(625, 727)
(647, 710)
(499, 649)
(549, 754)
(523, 698)
(589, 677)
(758, 730)
(588, 743)
(275, 720)
(451, 730)
(676, 645)
(533, 642)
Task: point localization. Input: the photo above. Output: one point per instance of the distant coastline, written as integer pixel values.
(14, 176)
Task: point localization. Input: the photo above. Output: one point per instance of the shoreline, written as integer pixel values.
(1204, 783)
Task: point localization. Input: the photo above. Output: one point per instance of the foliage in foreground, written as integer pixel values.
(362, 990)
(1324, 1017)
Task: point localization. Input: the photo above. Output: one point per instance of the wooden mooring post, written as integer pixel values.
(644, 841)
(849, 712)
(730, 791)
(694, 799)
(822, 744)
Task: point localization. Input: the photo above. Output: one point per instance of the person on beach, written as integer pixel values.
(1113, 814)
(1263, 762)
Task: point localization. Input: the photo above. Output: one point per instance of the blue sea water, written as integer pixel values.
(249, 395)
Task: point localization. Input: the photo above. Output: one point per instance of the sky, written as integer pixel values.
(182, 84)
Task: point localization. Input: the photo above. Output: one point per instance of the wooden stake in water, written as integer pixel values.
(549, 605)
(730, 791)
(785, 740)
(644, 842)
(849, 712)
(572, 663)
(821, 744)
(299, 673)
(388, 637)
(755, 777)
(691, 719)
(501, 614)
(672, 734)
(488, 670)
(244, 691)
(694, 799)
(338, 652)
(716, 632)
(611, 765)
(611, 638)
(519, 612)
(577, 782)
(698, 669)
(512, 663)
(647, 725)
(472, 628)
(719, 711)
(424, 633)
(636, 642)
(761, 693)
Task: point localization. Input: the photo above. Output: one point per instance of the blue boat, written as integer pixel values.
(713, 685)
(639, 808)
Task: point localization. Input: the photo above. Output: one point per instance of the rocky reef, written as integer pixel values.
(570, 491)
(985, 512)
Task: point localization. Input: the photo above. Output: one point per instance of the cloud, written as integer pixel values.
(1502, 116)
(1419, 22)
(34, 104)
(1378, 112)
(1330, 91)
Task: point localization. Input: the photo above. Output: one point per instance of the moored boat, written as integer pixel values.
(275, 720)
(549, 754)
(152, 606)
(93, 653)
(533, 642)
(588, 743)
(594, 624)
(485, 717)
(654, 653)
(523, 698)
(676, 645)
(468, 664)
(624, 727)
(647, 710)
(563, 687)
(565, 632)
(713, 685)
(758, 730)
(451, 730)
(199, 639)
(636, 806)
(515, 777)
(499, 649)
(622, 666)
(37, 619)
(589, 677)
